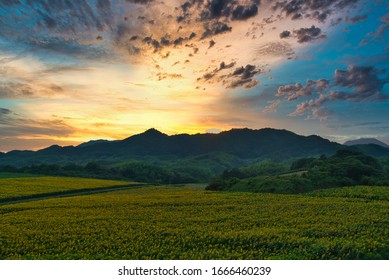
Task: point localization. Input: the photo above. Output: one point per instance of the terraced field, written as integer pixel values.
(189, 223)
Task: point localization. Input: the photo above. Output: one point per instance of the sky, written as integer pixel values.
(74, 71)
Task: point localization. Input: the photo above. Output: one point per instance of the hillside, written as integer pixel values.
(345, 168)
(246, 144)
(153, 156)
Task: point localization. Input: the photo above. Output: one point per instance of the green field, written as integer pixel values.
(11, 188)
(189, 223)
(16, 175)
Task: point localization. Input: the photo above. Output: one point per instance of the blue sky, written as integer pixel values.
(71, 71)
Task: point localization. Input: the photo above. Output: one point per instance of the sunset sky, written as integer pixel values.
(72, 71)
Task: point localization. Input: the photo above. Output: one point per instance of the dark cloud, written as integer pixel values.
(285, 34)
(305, 35)
(214, 9)
(356, 84)
(178, 41)
(294, 91)
(212, 74)
(5, 111)
(365, 82)
(243, 13)
(219, 10)
(215, 29)
(192, 35)
(319, 10)
(242, 77)
(223, 65)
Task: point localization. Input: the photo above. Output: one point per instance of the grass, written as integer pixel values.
(183, 223)
(17, 175)
(12, 188)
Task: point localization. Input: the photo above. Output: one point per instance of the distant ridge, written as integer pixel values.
(365, 141)
(241, 146)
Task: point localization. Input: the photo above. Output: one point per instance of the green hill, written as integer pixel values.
(344, 168)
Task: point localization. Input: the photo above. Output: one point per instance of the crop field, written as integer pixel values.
(182, 223)
(363, 192)
(17, 175)
(24, 186)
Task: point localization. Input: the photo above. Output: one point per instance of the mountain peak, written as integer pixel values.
(365, 141)
(153, 132)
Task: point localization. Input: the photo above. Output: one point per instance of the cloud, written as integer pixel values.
(364, 82)
(210, 75)
(14, 90)
(356, 84)
(317, 10)
(163, 76)
(146, 33)
(242, 13)
(305, 35)
(275, 49)
(216, 9)
(379, 33)
(356, 18)
(5, 111)
(15, 125)
(285, 34)
(240, 77)
(321, 114)
(215, 28)
(273, 106)
(243, 77)
(294, 91)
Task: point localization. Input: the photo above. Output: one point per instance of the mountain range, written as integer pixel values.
(366, 141)
(238, 145)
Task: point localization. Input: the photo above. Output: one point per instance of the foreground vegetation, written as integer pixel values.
(182, 223)
(345, 168)
(12, 188)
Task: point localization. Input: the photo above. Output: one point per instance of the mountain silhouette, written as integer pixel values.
(366, 141)
(246, 145)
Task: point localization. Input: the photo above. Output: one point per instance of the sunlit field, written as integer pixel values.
(185, 223)
(24, 187)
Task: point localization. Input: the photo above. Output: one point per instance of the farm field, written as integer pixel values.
(17, 175)
(11, 188)
(168, 222)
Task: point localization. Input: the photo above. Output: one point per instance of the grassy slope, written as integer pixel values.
(16, 175)
(180, 223)
(22, 187)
